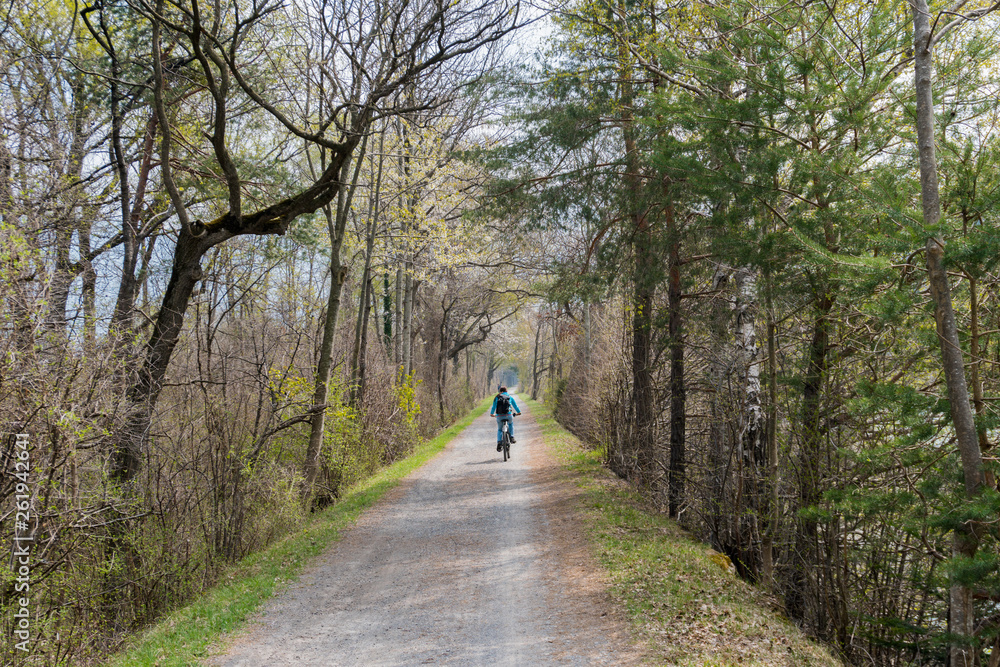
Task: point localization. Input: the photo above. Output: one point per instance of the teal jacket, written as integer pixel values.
(513, 404)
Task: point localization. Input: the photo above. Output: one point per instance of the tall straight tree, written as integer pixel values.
(967, 534)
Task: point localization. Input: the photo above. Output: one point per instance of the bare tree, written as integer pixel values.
(373, 51)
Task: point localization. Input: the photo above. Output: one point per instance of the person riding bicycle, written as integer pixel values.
(504, 407)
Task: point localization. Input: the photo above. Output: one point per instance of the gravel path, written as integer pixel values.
(470, 561)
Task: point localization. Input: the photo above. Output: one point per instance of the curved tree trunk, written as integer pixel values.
(145, 391)
(966, 541)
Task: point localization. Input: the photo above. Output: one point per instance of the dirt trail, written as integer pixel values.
(470, 561)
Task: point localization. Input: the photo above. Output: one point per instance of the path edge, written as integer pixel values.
(189, 634)
(642, 591)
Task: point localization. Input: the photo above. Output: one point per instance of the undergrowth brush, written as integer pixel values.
(188, 634)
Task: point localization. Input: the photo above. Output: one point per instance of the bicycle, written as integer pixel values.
(505, 442)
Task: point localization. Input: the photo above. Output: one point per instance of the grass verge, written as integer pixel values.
(681, 597)
(184, 636)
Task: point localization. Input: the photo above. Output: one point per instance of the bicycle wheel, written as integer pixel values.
(506, 445)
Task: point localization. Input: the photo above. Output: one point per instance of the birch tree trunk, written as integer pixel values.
(737, 461)
(752, 435)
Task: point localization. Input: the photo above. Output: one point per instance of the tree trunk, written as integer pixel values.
(409, 288)
(6, 166)
(642, 373)
(89, 289)
(587, 345)
(143, 277)
(397, 335)
(804, 588)
(752, 436)
(59, 284)
(409, 214)
(361, 324)
(122, 319)
(718, 369)
(368, 289)
(130, 442)
(736, 433)
(336, 225)
(678, 395)
(638, 452)
(442, 363)
(555, 362)
(324, 366)
(978, 397)
(770, 507)
(966, 540)
(67, 222)
(368, 313)
(387, 316)
(534, 364)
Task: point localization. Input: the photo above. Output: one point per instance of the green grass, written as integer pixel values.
(185, 635)
(682, 599)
